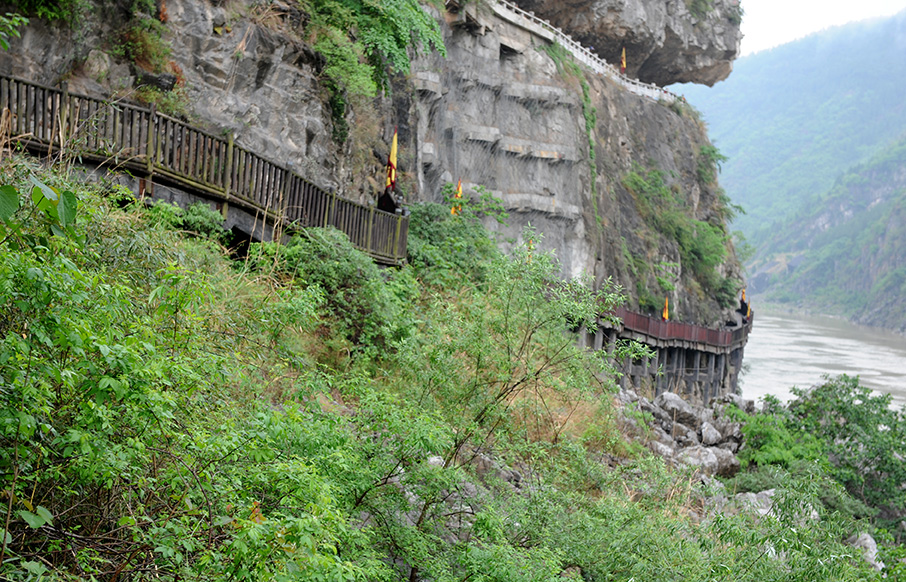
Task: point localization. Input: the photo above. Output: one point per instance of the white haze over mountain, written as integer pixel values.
(769, 23)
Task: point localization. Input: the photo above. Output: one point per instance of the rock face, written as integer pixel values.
(501, 111)
(677, 41)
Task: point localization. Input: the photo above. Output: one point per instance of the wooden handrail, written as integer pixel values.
(591, 59)
(657, 329)
(147, 142)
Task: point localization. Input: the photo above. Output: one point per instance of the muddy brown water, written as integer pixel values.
(786, 350)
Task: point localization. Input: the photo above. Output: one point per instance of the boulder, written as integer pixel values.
(869, 548)
(727, 463)
(660, 449)
(701, 458)
(677, 409)
(710, 435)
(760, 503)
(685, 436)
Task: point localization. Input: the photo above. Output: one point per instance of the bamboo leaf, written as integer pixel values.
(9, 202)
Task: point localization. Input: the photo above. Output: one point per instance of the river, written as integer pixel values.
(787, 350)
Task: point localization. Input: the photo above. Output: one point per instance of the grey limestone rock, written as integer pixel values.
(727, 463)
(665, 41)
(760, 503)
(660, 449)
(710, 435)
(701, 458)
(677, 409)
(869, 547)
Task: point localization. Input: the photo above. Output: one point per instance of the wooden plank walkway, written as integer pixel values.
(156, 146)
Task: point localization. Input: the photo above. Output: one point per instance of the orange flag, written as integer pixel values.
(743, 294)
(623, 61)
(457, 206)
(391, 164)
(666, 313)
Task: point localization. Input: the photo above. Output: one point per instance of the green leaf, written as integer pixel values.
(7, 539)
(66, 209)
(34, 521)
(9, 202)
(45, 514)
(42, 190)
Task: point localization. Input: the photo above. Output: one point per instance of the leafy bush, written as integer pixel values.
(8, 25)
(67, 11)
(447, 248)
(367, 305)
(198, 219)
(709, 160)
(863, 436)
(484, 366)
(703, 246)
(159, 416)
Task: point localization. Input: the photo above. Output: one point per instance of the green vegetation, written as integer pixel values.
(700, 8)
(709, 163)
(848, 246)
(363, 43)
(66, 11)
(8, 28)
(850, 436)
(703, 246)
(783, 152)
(298, 414)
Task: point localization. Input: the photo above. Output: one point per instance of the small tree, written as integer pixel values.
(511, 347)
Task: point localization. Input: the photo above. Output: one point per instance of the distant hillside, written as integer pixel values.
(845, 252)
(793, 118)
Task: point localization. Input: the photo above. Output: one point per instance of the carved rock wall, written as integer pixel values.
(666, 42)
(498, 111)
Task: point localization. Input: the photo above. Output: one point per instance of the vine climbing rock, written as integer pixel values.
(677, 41)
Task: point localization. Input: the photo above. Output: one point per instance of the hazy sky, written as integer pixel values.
(768, 23)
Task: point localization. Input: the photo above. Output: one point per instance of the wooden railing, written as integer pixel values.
(151, 144)
(675, 330)
(591, 59)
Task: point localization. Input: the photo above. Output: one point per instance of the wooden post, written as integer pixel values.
(228, 169)
(330, 207)
(149, 147)
(64, 115)
(396, 236)
(368, 245)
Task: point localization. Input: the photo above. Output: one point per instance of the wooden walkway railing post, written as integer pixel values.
(368, 242)
(396, 235)
(64, 114)
(149, 145)
(228, 167)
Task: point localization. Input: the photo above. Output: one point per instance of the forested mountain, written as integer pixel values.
(845, 252)
(793, 118)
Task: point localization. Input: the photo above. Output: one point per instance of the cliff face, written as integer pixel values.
(503, 110)
(677, 41)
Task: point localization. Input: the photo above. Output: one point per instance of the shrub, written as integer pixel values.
(8, 25)
(367, 305)
(446, 248)
(863, 436)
